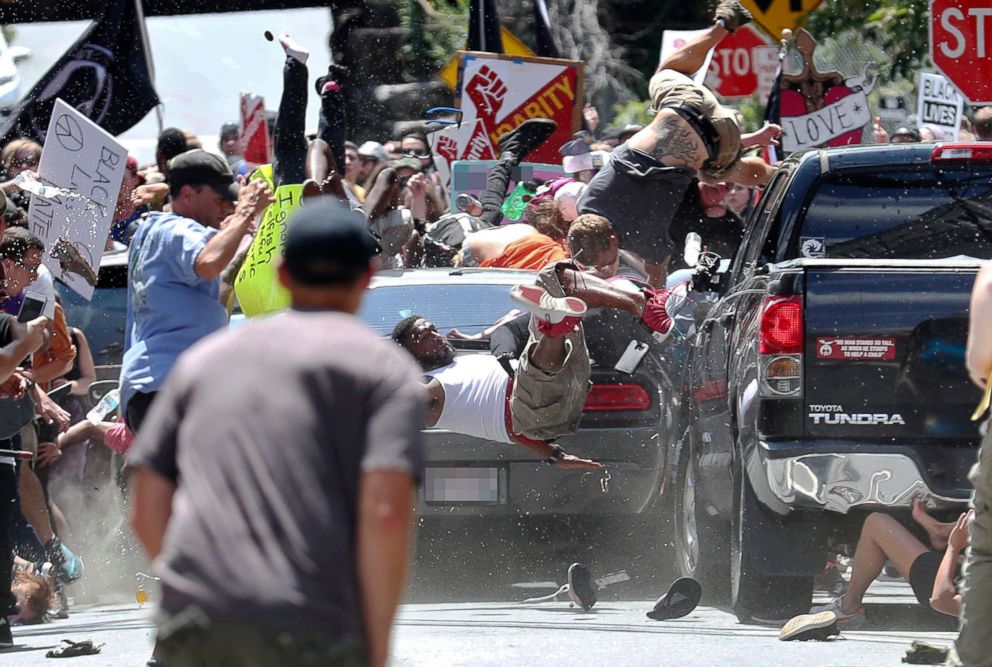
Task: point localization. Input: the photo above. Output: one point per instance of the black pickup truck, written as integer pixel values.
(827, 379)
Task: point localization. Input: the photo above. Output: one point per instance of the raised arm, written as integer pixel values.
(945, 597)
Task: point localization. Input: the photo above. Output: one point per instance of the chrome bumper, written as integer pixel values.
(840, 482)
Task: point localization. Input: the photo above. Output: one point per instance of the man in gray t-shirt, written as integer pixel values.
(287, 451)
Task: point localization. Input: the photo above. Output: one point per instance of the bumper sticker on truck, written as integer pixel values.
(861, 349)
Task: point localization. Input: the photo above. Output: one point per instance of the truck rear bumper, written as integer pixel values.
(841, 481)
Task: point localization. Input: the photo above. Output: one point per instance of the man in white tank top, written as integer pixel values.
(473, 394)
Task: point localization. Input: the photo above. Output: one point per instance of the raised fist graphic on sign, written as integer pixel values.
(486, 90)
(447, 148)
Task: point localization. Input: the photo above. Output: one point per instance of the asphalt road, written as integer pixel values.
(614, 632)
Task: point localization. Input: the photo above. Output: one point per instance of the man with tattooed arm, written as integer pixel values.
(692, 136)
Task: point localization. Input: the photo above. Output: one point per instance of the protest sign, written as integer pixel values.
(79, 156)
(257, 284)
(467, 141)
(673, 40)
(939, 104)
(470, 177)
(254, 130)
(742, 64)
(504, 91)
(822, 108)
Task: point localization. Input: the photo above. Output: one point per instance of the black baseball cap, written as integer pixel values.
(327, 243)
(198, 167)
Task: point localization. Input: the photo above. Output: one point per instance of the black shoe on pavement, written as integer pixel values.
(733, 14)
(580, 587)
(820, 627)
(682, 597)
(527, 136)
(6, 638)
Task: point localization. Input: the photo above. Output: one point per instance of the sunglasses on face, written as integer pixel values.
(420, 155)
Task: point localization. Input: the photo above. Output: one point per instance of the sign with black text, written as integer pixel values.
(939, 104)
(87, 164)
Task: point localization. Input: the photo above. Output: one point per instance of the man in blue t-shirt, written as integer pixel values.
(174, 269)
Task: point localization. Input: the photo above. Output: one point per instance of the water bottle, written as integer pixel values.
(29, 183)
(107, 404)
(468, 204)
(693, 247)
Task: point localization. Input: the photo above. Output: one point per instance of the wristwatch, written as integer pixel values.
(556, 453)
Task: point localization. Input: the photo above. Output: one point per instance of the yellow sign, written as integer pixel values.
(512, 46)
(774, 16)
(257, 284)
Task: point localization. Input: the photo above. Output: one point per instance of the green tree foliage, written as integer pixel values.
(899, 27)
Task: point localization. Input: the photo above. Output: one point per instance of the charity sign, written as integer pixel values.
(86, 166)
(504, 91)
(464, 141)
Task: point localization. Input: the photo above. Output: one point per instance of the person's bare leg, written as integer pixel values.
(690, 58)
(549, 353)
(882, 538)
(61, 524)
(33, 504)
(321, 168)
(598, 293)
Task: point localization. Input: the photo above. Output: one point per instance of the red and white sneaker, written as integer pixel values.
(655, 314)
(545, 307)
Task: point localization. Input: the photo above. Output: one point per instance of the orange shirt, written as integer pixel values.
(533, 252)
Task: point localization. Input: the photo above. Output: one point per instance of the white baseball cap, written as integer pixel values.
(375, 150)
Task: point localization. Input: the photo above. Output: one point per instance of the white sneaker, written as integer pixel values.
(538, 302)
(844, 621)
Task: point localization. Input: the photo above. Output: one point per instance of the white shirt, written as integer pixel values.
(474, 397)
(44, 284)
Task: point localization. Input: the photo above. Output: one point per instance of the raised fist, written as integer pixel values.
(487, 91)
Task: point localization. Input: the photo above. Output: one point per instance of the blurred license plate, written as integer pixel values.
(464, 485)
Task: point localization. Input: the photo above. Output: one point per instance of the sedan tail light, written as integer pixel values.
(617, 397)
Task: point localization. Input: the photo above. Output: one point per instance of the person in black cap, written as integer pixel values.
(306, 567)
(174, 269)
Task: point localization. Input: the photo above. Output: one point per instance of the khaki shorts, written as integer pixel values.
(545, 406)
(669, 86)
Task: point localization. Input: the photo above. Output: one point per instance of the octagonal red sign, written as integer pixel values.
(961, 45)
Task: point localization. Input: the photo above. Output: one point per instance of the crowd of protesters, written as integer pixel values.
(622, 210)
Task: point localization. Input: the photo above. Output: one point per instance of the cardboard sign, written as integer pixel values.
(470, 177)
(255, 143)
(939, 104)
(257, 284)
(860, 349)
(504, 91)
(82, 157)
(822, 108)
(470, 141)
(673, 40)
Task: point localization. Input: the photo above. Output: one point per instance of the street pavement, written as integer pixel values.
(614, 632)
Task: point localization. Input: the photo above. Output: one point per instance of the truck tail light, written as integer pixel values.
(617, 397)
(780, 346)
(961, 153)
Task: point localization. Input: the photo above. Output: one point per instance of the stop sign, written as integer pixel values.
(741, 62)
(961, 45)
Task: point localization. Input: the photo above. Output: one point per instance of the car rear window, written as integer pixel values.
(900, 215)
(468, 307)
